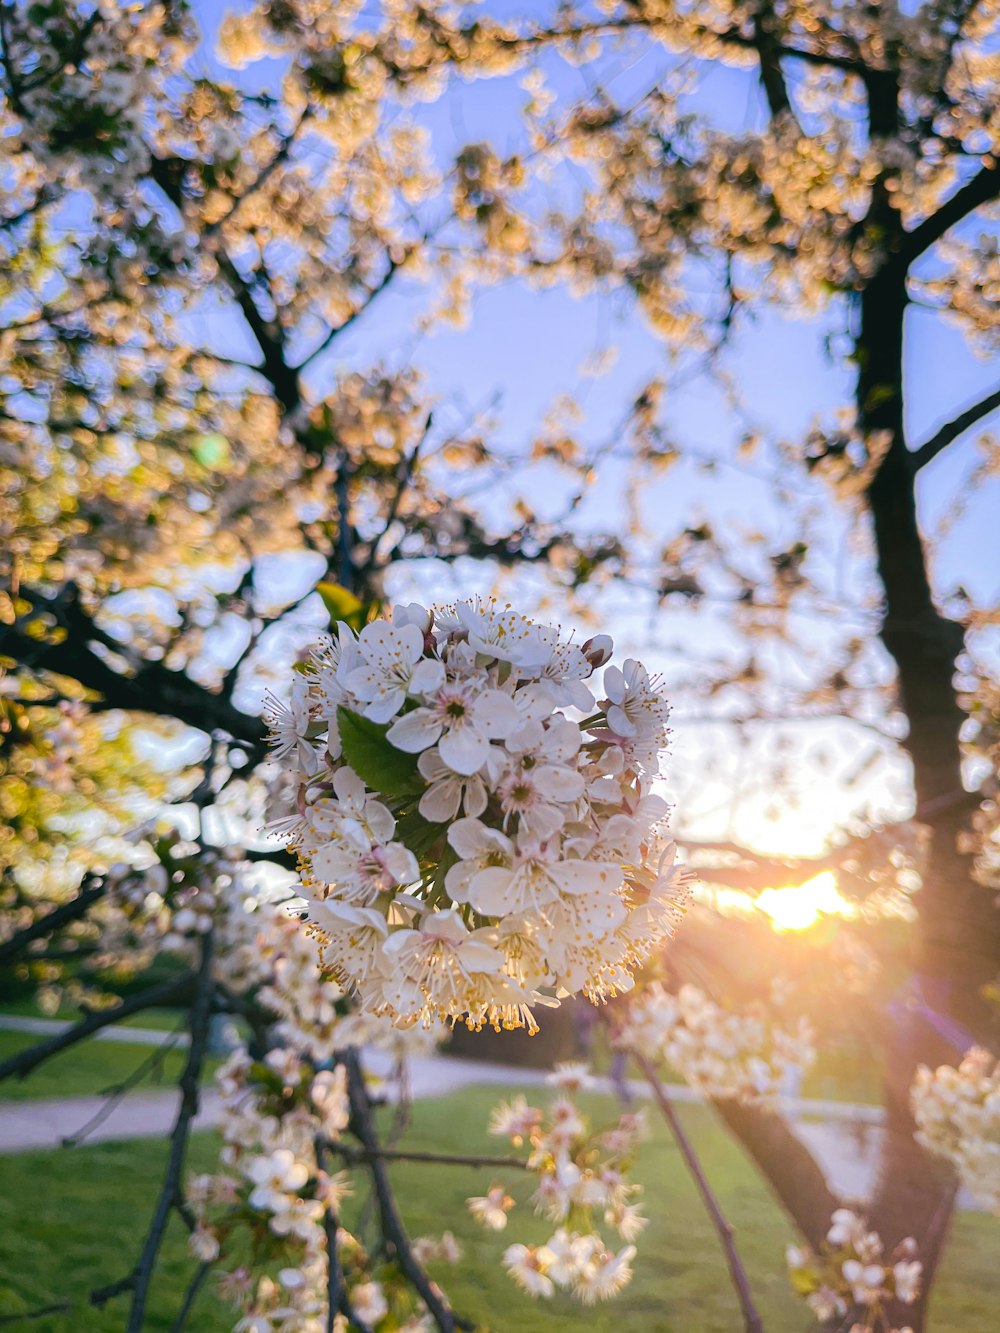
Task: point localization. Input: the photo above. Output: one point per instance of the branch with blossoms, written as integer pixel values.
(582, 1175)
(957, 1113)
(850, 1279)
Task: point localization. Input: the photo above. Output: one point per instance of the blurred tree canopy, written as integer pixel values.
(184, 242)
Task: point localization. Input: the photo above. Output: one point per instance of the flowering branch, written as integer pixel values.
(752, 1321)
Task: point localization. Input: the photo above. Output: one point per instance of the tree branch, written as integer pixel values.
(396, 1239)
(92, 889)
(21, 1064)
(152, 688)
(170, 1194)
(752, 1322)
(438, 1159)
(982, 187)
(953, 429)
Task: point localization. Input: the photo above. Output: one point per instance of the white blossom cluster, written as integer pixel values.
(958, 1117)
(746, 1056)
(476, 835)
(851, 1271)
(272, 1203)
(582, 1176)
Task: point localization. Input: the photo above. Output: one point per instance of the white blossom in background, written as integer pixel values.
(581, 1181)
(744, 1055)
(470, 845)
(958, 1117)
(852, 1275)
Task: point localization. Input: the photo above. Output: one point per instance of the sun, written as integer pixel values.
(797, 907)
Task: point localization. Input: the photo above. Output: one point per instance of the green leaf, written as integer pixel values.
(342, 604)
(378, 763)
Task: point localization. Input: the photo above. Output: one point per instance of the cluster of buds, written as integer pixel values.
(275, 1202)
(746, 1056)
(851, 1273)
(958, 1117)
(475, 833)
(582, 1177)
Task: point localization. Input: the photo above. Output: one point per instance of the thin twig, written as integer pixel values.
(153, 1062)
(190, 1296)
(752, 1322)
(439, 1159)
(21, 1064)
(394, 1232)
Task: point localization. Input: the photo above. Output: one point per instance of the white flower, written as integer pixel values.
(569, 1256)
(514, 1120)
(527, 1265)
(605, 1276)
(865, 1280)
(906, 1275)
(537, 882)
(274, 1177)
(571, 1076)
(502, 633)
(369, 1303)
(634, 708)
(290, 724)
(460, 720)
(479, 846)
(391, 668)
(204, 1244)
(448, 791)
(491, 1208)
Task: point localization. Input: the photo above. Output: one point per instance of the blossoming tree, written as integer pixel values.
(184, 253)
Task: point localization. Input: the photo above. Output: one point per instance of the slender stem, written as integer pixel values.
(170, 1194)
(393, 1230)
(190, 1296)
(153, 1063)
(752, 1322)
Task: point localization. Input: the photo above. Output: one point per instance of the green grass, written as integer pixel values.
(72, 1221)
(89, 1068)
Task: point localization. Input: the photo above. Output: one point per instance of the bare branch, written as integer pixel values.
(437, 1158)
(752, 1321)
(91, 891)
(953, 429)
(983, 187)
(170, 1194)
(394, 1232)
(21, 1064)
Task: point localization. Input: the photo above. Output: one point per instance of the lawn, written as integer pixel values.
(87, 1212)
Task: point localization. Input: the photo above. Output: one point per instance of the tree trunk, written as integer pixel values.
(955, 940)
